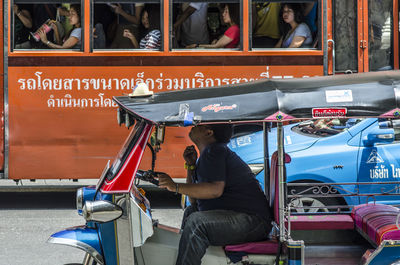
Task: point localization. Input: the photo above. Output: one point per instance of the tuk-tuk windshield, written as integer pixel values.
(126, 148)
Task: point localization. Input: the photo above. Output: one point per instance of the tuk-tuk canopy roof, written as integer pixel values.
(357, 95)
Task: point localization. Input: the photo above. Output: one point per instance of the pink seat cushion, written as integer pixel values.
(377, 222)
(261, 247)
(362, 211)
(322, 222)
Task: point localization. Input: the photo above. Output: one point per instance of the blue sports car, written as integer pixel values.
(332, 151)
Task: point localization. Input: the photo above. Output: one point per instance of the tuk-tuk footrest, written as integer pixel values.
(267, 247)
(322, 222)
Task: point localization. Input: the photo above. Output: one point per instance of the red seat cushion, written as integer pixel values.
(321, 222)
(377, 222)
(261, 247)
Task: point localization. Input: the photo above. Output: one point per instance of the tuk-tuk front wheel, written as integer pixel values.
(93, 263)
(87, 260)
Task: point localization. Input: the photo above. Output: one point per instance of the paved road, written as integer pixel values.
(28, 219)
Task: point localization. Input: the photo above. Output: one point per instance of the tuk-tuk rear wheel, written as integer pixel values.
(319, 203)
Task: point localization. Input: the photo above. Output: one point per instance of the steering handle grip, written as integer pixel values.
(149, 176)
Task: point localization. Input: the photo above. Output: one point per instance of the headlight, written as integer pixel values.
(79, 200)
(256, 168)
(101, 211)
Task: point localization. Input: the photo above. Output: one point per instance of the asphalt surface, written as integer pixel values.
(27, 219)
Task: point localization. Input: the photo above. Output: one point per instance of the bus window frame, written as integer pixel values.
(320, 28)
(87, 45)
(32, 2)
(93, 2)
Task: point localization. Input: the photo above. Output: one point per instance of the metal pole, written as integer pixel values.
(281, 179)
(267, 183)
(325, 36)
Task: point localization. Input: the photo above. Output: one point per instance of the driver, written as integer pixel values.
(227, 203)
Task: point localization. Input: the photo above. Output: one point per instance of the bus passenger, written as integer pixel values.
(99, 37)
(128, 18)
(23, 22)
(310, 16)
(149, 31)
(231, 37)
(73, 39)
(296, 33)
(228, 205)
(266, 33)
(192, 24)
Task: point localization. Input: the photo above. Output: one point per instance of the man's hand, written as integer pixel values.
(42, 35)
(165, 181)
(128, 34)
(16, 9)
(190, 155)
(118, 9)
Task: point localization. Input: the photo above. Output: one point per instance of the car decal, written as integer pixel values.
(374, 158)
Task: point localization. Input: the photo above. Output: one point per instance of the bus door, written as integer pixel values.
(363, 36)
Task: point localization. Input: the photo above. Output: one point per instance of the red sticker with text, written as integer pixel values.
(329, 112)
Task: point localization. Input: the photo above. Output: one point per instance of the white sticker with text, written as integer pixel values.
(333, 96)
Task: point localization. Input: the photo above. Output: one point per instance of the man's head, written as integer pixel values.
(222, 132)
(210, 133)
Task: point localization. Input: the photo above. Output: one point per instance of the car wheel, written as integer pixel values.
(319, 205)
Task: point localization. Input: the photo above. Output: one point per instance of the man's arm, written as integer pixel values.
(204, 190)
(307, 9)
(135, 19)
(187, 13)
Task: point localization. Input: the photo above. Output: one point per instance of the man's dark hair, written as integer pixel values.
(222, 132)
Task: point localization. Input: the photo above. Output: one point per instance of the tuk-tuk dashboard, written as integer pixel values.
(138, 196)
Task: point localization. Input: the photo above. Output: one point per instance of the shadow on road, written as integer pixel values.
(163, 199)
(67, 200)
(37, 200)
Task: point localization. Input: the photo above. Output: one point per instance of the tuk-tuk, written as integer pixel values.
(119, 227)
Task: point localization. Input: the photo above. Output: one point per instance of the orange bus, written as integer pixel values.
(65, 59)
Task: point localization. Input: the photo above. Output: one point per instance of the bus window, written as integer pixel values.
(46, 26)
(284, 25)
(380, 32)
(345, 35)
(206, 25)
(127, 25)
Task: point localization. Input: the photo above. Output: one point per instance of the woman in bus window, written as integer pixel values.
(296, 33)
(149, 32)
(73, 39)
(231, 37)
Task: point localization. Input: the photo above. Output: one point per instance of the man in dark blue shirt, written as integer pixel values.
(228, 205)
